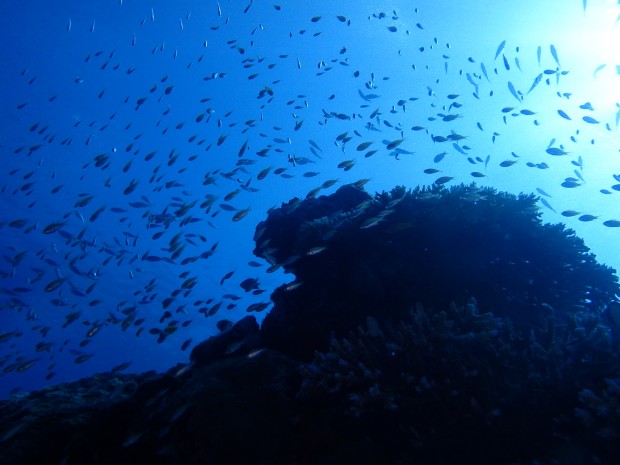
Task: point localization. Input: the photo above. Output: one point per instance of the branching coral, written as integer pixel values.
(460, 372)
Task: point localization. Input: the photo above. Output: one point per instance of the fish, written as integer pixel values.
(507, 163)
(85, 200)
(599, 69)
(513, 91)
(500, 48)
(393, 144)
(554, 54)
(55, 284)
(570, 213)
(443, 180)
(249, 284)
(363, 146)
(563, 115)
(556, 151)
(53, 227)
(120, 367)
(371, 222)
(83, 358)
(506, 64)
(537, 80)
(263, 173)
(546, 204)
(131, 187)
(346, 164)
(241, 214)
(25, 365)
(484, 71)
(316, 250)
(96, 213)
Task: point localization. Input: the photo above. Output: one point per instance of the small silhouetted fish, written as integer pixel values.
(500, 48)
(570, 213)
(257, 307)
(542, 192)
(120, 367)
(555, 151)
(513, 91)
(83, 358)
(439, 157)
(586, 218)
(563, 114)
(53, 227)
(249, 284)
(554, 53)
(393, 144)
(226, 276)
(263, 173)
(612, 223)
(240, 214)
(507, 163)
(55, 284)
(227, 207)
(25, 365)
(443, 179)
(547, 204)
(536, 82)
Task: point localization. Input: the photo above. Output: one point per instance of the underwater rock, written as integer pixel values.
(354, 256)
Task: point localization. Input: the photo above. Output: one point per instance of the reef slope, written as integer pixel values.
(430, 326)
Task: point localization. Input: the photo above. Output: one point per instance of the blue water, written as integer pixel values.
(117, 107)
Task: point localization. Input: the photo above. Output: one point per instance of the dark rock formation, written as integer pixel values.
(356, 256)
(430, 326)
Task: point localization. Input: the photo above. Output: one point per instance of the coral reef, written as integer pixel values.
(430, 326)
(434, 245)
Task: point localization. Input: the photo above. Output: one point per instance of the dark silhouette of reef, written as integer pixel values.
(430, 326)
